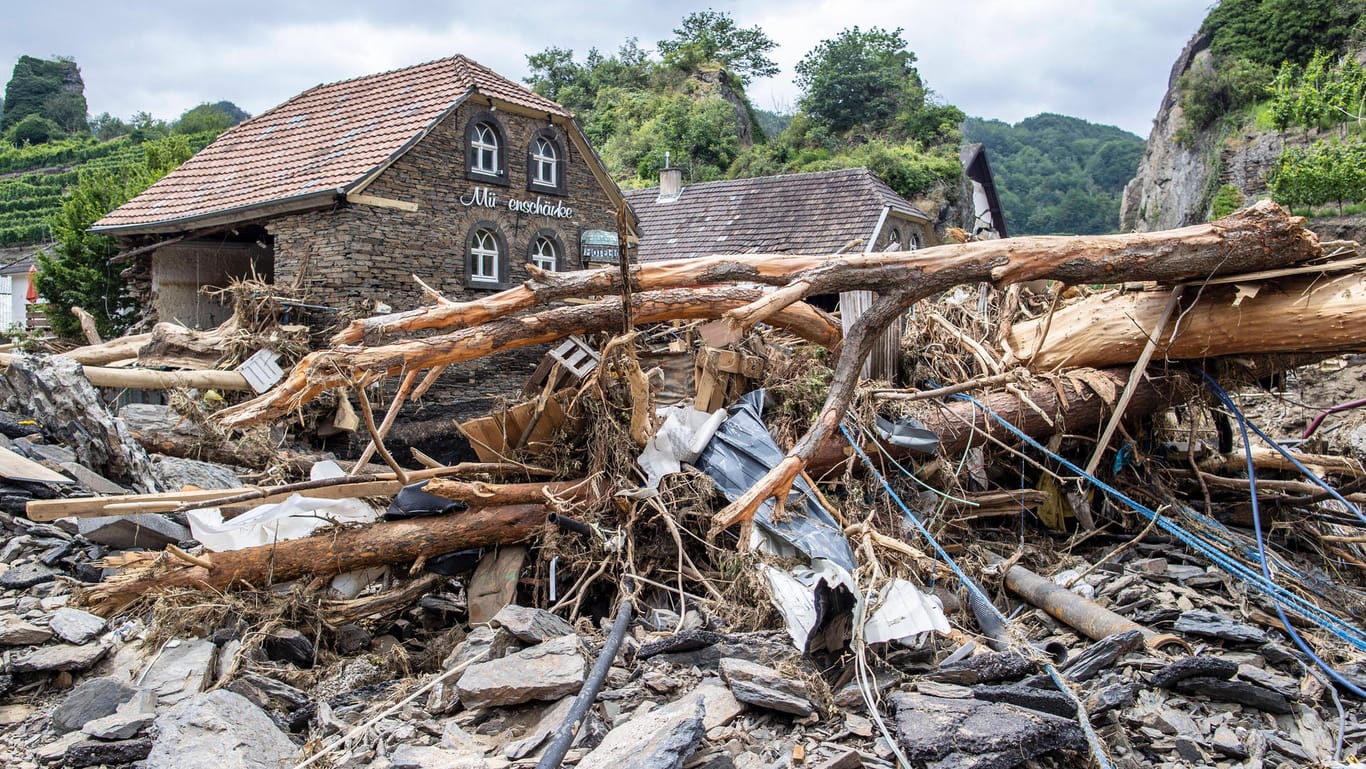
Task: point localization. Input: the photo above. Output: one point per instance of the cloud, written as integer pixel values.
(1103, 60)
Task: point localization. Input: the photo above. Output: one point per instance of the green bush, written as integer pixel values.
(1322, 174)
(1227, 200)
(33, 129)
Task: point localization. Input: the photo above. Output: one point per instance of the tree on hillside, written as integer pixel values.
(555, 75)
(217, 118)
(712, 37)
(77, 272)
(1269, 32)
(867, 80)
(51, 89)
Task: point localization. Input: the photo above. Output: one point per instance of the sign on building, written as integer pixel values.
(600, 246)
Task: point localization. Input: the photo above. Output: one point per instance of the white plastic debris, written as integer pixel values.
(298, 516)
(685, 431)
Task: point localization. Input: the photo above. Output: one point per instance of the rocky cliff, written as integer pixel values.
(1171, 188)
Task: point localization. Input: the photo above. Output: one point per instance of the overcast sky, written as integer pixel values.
(1103, 60)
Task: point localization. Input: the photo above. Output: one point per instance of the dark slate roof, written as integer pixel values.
(815, 213)
(327, 138)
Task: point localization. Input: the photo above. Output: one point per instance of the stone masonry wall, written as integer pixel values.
(357, 255)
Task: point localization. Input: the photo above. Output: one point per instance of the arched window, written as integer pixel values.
(485, 155)
(484, 149)
(545, 162)
(545, 252)
(485, 265)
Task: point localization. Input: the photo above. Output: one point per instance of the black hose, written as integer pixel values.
(564, 733)
(569, 524)
(988, 617)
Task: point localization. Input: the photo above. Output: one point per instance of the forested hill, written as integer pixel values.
(1057, 174)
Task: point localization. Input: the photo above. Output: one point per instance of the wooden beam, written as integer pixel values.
(379, 202)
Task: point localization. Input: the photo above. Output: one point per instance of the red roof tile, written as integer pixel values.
(812, 213)
(328, 137)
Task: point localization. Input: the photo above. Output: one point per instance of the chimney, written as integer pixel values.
(670, 182)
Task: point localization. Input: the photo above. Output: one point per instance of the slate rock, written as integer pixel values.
(119, 725)
(660, 739)
(267, 693)
(1107, 698)
(1204, 666)
(143, 530)
(686, 641)
(972, 734)
(100, 753)
(91, 699)
(177, 473)
(1226, 741)
(1240, 692)
(350, 639)
(1102, 654)
(550, 720)
(984, 669)
(219, 729)
(483, 643)
(16, 632)
(764, 687)
(434, 757)
(57, 657)
(531, 625)
(289, 645)
(1214, 625)
(76, 626)
(1042, 700)
(546, 671)
(182, 668)
(759, 648)
(6, 681)
(26, 575)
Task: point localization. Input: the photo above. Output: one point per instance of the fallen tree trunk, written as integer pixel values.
(480, 493)
(1249, 240)
(1075, 404)
(323, 370)
(324, 554)
(147, 379)
(123, 348)
(1304, 314)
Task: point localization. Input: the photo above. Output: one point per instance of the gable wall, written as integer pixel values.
(355, 255)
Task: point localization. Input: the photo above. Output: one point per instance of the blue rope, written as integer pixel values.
(1328, 621)
(1091, 738)
(1243, 425)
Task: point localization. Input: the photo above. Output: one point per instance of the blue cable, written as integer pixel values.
(1261, 543)
(1337, 626)
(971, 585)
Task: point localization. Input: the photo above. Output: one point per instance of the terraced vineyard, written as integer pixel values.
(33, 179)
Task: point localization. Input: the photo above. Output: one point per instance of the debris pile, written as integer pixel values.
(697, 540)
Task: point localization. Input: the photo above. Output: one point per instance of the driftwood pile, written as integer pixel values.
(1073, 434)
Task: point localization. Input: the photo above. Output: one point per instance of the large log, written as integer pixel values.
(323, 370)
(1304, 314)
(147, 379)
(1072, 405)
(324, 555)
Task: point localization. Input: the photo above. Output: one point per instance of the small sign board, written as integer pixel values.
(600, 246)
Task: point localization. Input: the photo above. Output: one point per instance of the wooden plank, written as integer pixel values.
(379, 202)
(20, 468)
(87, 507)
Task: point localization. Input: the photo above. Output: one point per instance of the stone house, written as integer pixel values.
(443, 170)
(811, 213)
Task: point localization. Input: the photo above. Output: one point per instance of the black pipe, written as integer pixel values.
(564, 733)
(988, 618)
(569, 524)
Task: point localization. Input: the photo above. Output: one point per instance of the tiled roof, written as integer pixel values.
(811, 213)
(328, 137)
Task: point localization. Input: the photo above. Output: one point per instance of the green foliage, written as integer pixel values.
(33, 129)
(1227, 200)
(216, 118)
(1269, 32)
(1325, 92)
(711, 37)
(1207, 94)
(51, 89)
(1324, 173)
(77, 271)
(105, 127)
(1056, 174)
(858, 78)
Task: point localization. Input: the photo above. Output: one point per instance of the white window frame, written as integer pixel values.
(485, 258)
(484, 147)
(7, 300)
(545, 162)
(546, 254)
